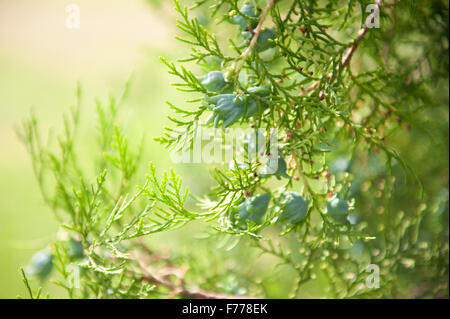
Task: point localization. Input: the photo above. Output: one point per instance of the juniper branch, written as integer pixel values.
(243, 57)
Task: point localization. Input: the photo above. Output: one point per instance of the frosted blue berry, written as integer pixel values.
(214, 81)
(338, 209)
(293, 208)
(230, 108)
(255, 104)
(254, 208)
(276, 166)
(75, 249)
(41, 264)
(265, 39)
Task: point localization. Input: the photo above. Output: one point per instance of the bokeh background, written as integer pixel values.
(41, 62)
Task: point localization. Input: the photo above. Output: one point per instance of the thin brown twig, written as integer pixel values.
(154, 257)
(235, 67)
(181, 289)
(350, 51)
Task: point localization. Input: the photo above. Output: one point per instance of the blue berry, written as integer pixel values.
(214, 81)
(276, 166)
(243, 23)
(293, 208)
(253, 209)
(338, 209)
(41, 264)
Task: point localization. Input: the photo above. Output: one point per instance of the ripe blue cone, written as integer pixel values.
(41, 264)
(243, 23)
(253, 209)
(265, 39)
(230, 108)
(75, 249)
(214, 81)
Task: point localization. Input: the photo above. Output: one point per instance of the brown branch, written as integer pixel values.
(180, 289)
(350, 51)
(154, 257)
(345, 61)
(256, 33)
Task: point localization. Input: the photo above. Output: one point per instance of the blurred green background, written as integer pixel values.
(41, 61)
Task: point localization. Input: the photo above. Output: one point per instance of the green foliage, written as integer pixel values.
(41, 264)
(362, 121)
